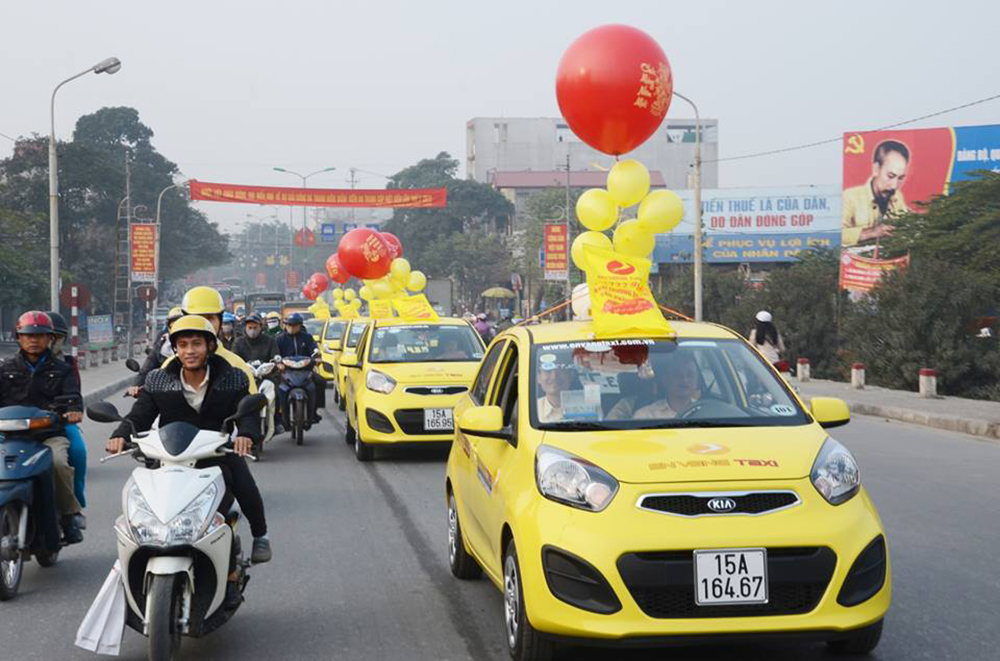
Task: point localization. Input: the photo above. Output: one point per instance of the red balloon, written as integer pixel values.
(310, 292)
(395, 246)
(336, 270)
(614, 87)
(364, 253)
(319, 282)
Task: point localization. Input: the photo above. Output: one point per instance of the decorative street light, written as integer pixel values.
(305, 212)
(698, 248)
(110, 65)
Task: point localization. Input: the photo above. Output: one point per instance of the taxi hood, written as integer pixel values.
(697, 455)
(458, 372)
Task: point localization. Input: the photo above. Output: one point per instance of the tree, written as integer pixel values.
(541, 208)
(24, 260)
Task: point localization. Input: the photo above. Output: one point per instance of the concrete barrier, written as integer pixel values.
(858, 376)
(105, 356)
(928, 383)
(802, 370)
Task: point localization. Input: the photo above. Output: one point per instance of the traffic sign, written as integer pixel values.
(82, 295)
(146, 292)
(328, 233)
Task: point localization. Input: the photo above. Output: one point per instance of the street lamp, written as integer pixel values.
(697, 208)
(305, 212)
(110, 65)
(156, 252)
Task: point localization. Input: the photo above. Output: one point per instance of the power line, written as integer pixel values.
(839, 138)
(4, 135)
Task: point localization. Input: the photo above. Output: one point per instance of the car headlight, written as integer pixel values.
(835, 473)
(380, 382)
(568, 479)
(185, 528)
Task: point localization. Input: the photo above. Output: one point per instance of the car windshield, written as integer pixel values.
(357, 328)
(652, 384)
(425, 343)
(314, 326)
(335, 330)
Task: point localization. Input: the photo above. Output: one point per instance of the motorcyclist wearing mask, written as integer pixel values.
(77, 446)
(255, 344)
(273, 323)
(227, 331)
(296, 342)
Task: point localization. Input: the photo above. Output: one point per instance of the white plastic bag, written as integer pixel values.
(103, 625)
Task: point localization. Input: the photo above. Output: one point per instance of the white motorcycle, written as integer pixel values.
(266, 387)
(173, 545)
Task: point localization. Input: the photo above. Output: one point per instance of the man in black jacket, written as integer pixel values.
(203, 389)
(34, 377)
(295, 341)
(255, 344)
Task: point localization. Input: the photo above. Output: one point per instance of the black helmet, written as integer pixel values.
(59, 325)
(254, 317)
(293, 318)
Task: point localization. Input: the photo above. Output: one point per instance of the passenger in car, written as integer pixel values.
(553, 379)
(676, 376)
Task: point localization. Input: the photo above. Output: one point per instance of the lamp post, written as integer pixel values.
(156, 251)
(110, 65)
(698, 266)
(305, 212)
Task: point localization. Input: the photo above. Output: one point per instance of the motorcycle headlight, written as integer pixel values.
(185, 528)
(296, 364)
(380, 382)
(265, 369)
(835, 473)
(573, 481)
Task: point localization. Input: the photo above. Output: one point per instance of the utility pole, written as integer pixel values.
(353, 181)
(698, 266)
(569, 239)
(128, 218)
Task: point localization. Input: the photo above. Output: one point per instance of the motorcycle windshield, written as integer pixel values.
(176, 437)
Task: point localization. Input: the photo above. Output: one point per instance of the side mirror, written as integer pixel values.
(333, 345)
(830, 411)
(486, 421)
(349, 359)
(103, 412)
(132, 364)
(250, 404)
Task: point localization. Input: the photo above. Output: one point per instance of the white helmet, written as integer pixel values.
(764, 316)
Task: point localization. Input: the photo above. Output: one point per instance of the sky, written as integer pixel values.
(234, 89)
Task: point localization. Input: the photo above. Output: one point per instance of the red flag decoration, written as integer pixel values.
(319, 197)
(305, 238)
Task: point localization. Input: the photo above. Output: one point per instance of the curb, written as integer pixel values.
(104, 391)
(989, 429)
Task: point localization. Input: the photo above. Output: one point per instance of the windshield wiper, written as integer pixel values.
(706, 424)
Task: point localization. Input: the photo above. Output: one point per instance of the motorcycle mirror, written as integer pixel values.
(250, 404)
(132, 364)
(103, 412)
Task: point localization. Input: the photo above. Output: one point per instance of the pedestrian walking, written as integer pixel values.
(766, 338)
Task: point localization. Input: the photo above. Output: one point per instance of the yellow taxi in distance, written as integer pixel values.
(404, 379)
(352, 333)
(330, 336)
(314, 327)
(644, 491)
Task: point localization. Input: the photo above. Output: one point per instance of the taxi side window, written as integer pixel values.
(362, 345)
(505, 395)
(482, 383)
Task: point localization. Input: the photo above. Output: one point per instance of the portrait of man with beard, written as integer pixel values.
(868, 208)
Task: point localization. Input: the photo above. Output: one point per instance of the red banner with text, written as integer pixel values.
(143, 240)
(862, 274)
(319, 197)
(556, 245)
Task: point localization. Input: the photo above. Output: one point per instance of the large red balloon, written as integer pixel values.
(310, 292)
(319, 282)
(614, 87)
(395, 245)
(364, 253)
(336, 270)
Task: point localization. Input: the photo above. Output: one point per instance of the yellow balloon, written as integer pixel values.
(338, 293)
(595, 239)
(400, 268)
(366, 293)
(630, 239)
(417, 281)
(348, 295)
(340, 305)
(356, 303)
(661, 211)
(382, 289)
(596, 209)
(628, 182)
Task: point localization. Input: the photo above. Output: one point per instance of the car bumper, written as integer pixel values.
(608, 540)
(398, 417)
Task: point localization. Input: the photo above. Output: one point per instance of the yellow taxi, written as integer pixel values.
(329, 339)
(645, 491)
(404, 380)
(352, 333)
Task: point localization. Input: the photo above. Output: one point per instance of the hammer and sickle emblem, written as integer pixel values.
(855, 144)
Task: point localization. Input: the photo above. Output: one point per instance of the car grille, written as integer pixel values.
(758, 502)
(411, 423)
(436, 390)
(662, 583)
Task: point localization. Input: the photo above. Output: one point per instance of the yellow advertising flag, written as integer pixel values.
(414, 307)
(620, 300)
(379, 309)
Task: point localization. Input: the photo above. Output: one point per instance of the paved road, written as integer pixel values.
(360, 569)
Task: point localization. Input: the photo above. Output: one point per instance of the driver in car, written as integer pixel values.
(676, 375)
(553, 379)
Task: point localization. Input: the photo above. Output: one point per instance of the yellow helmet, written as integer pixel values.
(175, 313)
(191, 323)
(202, 300)
(273, 315)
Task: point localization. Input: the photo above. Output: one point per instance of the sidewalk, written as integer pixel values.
(104, 380)
(967, 416)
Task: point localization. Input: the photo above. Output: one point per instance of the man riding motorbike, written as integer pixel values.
(77, 446)
(255, 344)
(227, 332)
(35, 377)
(201, 387)
(160, 352)
(294, 342)
(273, 322)
(207, 302)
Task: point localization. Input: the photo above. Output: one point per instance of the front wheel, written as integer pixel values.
(163, 608)
(47, 558)
(11, 559)
(362, 451)
(523, 642)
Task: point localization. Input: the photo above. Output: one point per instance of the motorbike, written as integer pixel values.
(29, 519)
(296, 381)
(266, 387)
(175, 548)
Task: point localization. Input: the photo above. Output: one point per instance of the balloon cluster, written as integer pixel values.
(598, 210)
(375, 258)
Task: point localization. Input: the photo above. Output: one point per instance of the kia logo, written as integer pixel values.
(722, 505)
(618, 268)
